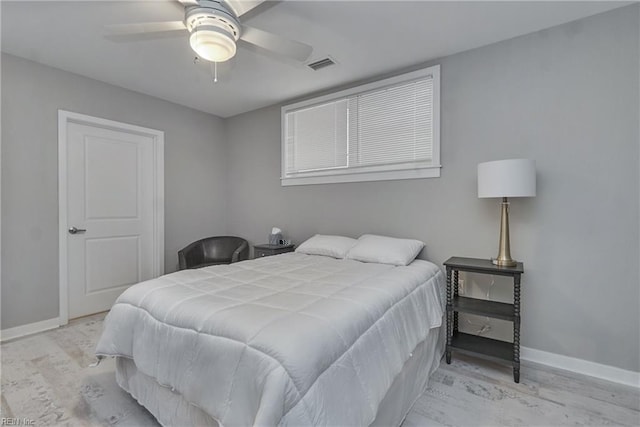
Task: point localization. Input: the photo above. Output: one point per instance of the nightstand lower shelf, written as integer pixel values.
(474, 344)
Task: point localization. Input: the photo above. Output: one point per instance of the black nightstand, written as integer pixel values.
(458, 341)
(260, 251)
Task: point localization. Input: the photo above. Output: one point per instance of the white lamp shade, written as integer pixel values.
(507, 178)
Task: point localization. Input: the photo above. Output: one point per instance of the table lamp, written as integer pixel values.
(506, 178)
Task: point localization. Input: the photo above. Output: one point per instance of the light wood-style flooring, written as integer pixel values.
(46, 378)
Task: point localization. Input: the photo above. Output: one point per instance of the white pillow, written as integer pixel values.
(385, 250)
(333, 246)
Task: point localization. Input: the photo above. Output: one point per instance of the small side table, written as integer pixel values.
(467, 343)
(260, 251)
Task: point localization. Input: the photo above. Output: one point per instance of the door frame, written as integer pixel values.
(66, 117)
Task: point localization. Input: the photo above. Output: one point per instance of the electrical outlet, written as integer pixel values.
(461, 288)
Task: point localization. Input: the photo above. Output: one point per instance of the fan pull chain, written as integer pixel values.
(214, 71)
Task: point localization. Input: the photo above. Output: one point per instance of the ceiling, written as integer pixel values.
(365, 38)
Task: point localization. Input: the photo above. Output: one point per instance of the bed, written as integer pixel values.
(290, 340)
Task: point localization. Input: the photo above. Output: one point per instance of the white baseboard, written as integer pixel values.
(580, 366)
(28, 329)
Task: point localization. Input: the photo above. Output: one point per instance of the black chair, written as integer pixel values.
(213, 251)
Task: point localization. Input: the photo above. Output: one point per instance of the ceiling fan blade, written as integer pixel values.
(262, 7)
(125, 38)
(240, 7)
(277, 44)
(144, 28)
(188, 2)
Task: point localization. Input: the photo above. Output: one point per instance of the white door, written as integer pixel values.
(110, 214)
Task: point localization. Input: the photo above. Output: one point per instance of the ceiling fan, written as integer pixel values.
(214, 29)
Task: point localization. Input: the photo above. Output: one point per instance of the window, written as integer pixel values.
(379, 131)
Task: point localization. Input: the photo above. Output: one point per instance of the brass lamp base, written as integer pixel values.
(507, 263)
(504, 251)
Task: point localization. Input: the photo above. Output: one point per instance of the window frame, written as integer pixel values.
(370, 173)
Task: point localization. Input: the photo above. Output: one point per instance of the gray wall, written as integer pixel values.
(567, 97)
(195, 175)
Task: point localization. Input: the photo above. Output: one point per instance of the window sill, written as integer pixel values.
(432, 172)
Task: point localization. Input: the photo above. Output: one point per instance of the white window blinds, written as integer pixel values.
(317, 138)
(388, 127)
(393, 125)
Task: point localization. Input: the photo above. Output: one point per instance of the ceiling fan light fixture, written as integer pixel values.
(212, 43)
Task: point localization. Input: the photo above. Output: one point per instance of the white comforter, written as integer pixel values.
(289, 340)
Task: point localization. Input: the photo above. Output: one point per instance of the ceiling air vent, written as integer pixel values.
(321, 63)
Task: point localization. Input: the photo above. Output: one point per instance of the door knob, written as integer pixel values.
(74, 230)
